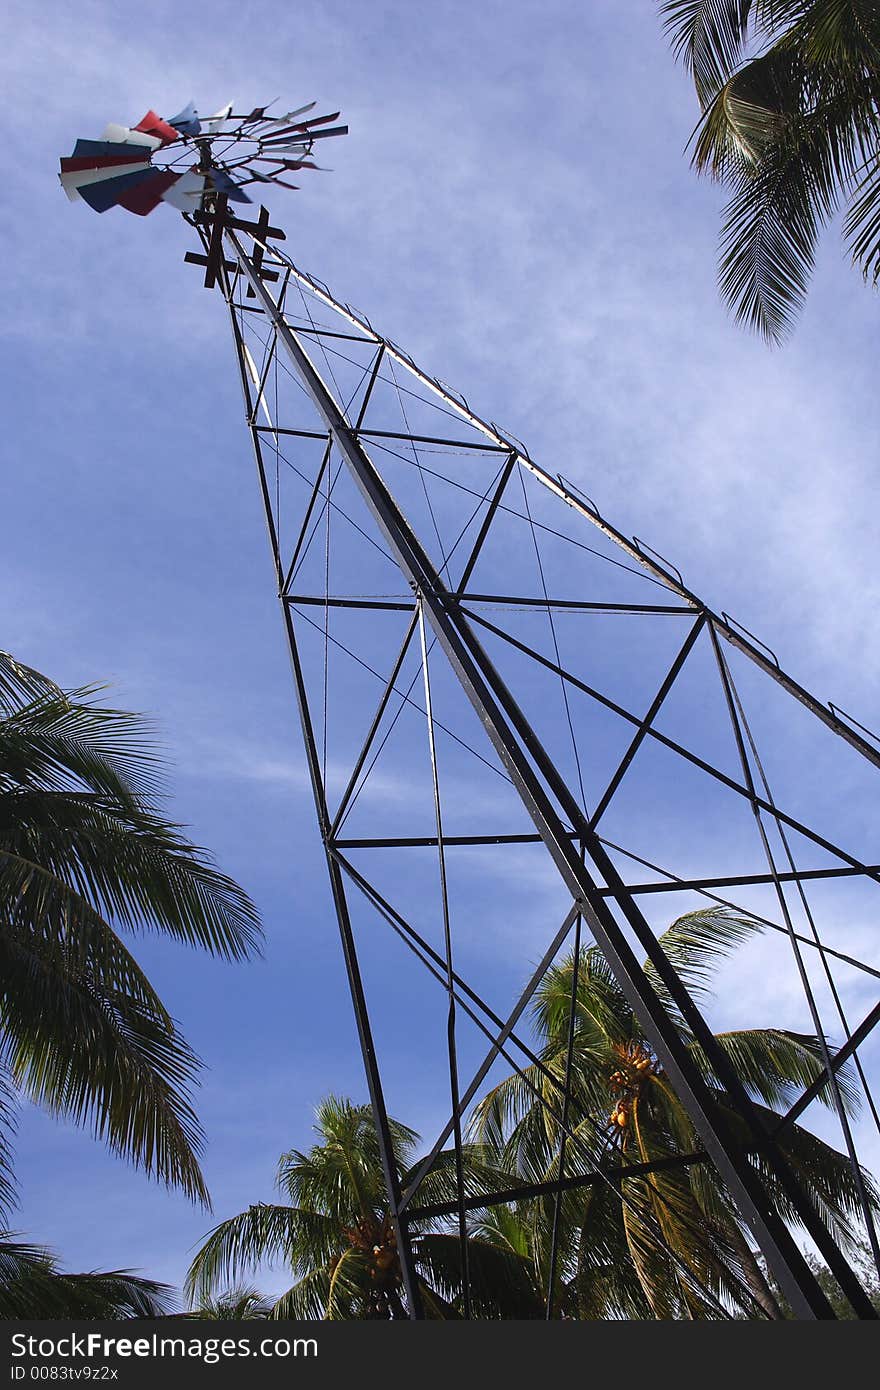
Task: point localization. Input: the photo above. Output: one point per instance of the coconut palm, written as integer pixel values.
(240, 1303)
(336, 1236)
(862, 1261)
(84, 853)
(790, 98)
(669, 1243)
(32, 1286)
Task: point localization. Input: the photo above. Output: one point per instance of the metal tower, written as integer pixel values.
(507, 702)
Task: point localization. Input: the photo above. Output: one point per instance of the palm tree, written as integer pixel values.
(32, 1286)
(790, 97)
(84, 852)
(669, 1243)
(240, 1303)
(862, 1260)
(337, 1238)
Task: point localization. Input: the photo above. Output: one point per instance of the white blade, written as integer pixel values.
(119, 134)
(78, 178)
(182, 194)
(218, 117)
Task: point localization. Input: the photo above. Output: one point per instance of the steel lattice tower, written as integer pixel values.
(597, 735)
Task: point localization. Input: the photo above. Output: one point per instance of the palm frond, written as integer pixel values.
(75, 786)
(708, 37)
(843, 34)
(501, 1282)
(517, 1127)
(697, 942)
(481, 1173)
(343, 1175)
(132, 867)
(65, 740)
(862, 225)
(8, 1118)
(768, 243)
(82, 851)
(26, 1279)
(601, 1010)
(502, 1108)
(306, 1300)
(239, 1303)
(777, 1066)
(45, 916)
(116, 1294)
(84, 1035)
(823, 1172)
(503, 1227)
(33, 1287)
(747, 116)
(348, 1291)
(263, 1233)
(656, 1273)
(605, 1282)
(22, 685)
(338, 1121)
(793, 130)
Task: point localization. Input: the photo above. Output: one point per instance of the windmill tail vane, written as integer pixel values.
(220, 154)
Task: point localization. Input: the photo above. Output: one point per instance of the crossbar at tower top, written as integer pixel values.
(399, 521)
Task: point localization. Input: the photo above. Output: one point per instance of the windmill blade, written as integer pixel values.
(151, 124)
(290, 115)
(100, 149)
(148, 193)
(288, 133)
(123, 134)
(186, 121)
(292, 146)
(74, 181)
(187, 189)
(210, 123)
(287, 128)
(108, 193)
(224, 183)
(96, 162)
(319, 120)
(287, 163)
(325, 134)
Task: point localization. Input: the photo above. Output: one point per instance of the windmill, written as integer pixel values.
(498, 688)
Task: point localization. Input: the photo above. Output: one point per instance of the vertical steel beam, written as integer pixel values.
(452, 1049)
(337, 886)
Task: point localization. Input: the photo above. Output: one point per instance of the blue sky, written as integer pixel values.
(514, 206)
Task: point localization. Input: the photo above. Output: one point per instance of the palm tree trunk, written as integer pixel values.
(753, 1274)
(396, 1304)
